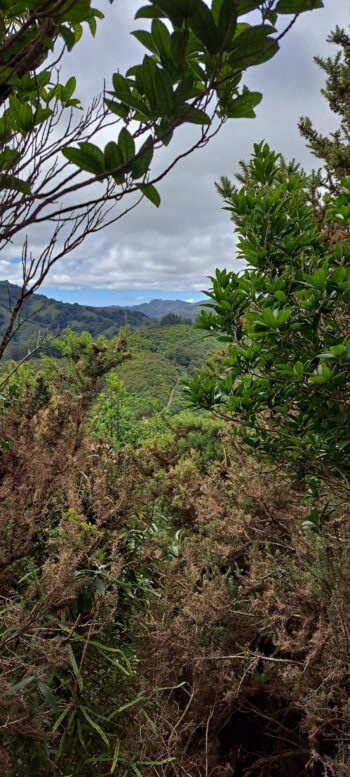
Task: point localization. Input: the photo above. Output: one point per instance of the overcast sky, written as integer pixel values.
(170, 251)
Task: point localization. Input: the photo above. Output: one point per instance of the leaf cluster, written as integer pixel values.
(285, 321)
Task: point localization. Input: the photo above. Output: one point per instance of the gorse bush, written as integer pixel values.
(73, 581)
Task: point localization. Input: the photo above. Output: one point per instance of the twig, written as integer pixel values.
(249, 654)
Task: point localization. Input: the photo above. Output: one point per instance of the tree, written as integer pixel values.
(112, 418)
(285, 382)
(172, 319)
(193, 74)
(334, 150)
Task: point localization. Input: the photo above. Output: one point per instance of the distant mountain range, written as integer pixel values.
(158, 308)
(41, 315)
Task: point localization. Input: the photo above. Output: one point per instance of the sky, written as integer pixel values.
(170, 252)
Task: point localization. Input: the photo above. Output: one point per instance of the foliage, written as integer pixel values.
(113, 418)
(163, 358)
(168, 607)
(172, 319)
(285, 382)
(202, 54)
(112, 415)
(75, 579)
(253, 618)
(160, 589)
(333, 150)
(42, 317)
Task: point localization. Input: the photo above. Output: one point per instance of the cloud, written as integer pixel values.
(176, 247)
(151, 261)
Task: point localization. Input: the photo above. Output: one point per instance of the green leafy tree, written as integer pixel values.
(285, 382)
(192, 72)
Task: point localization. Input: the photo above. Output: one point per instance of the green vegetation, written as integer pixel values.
(285, 320)
(163, 359)
(42, 317)
(174, 585)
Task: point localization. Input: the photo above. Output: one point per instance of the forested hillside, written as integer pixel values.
(162, 359)
(41, 316)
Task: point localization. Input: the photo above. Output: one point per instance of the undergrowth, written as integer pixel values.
(165, 609)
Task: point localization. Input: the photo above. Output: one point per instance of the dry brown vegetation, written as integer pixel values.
(226, 628)
(254, 619)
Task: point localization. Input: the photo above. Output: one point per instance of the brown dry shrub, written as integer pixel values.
(254, 621)
(245, 650)
(62, 504)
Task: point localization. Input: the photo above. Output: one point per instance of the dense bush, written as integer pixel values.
(285, 320)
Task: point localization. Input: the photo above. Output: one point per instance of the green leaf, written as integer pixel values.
(151, 193)
(343, 444)
(297, 6)
(245, 6)
(195, 116)
(68, 36)
(127, 705)
(126, 144)
(160, 762)
(100, 585)
(203, 25)
(22, 114)
(11, 182)
(69, 87)
(48, 695)
(76, 669)
(8, 158)
(243, 105)
(142, 163)
(40, 115)
(162, 39)
(146, 39)
(19, 686)
(148, 73)
(224, 13)
(81, 735)
(150, 721)
(95, 726)
(178, 49)
(61, 718)
(169, 9)
(149, 12)
(165, 94)
(164, 132)
(319, 279)
(121, 86)
(88, 157)
(92, 26)
(115, 756)
(253, 46)
(117, 108)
